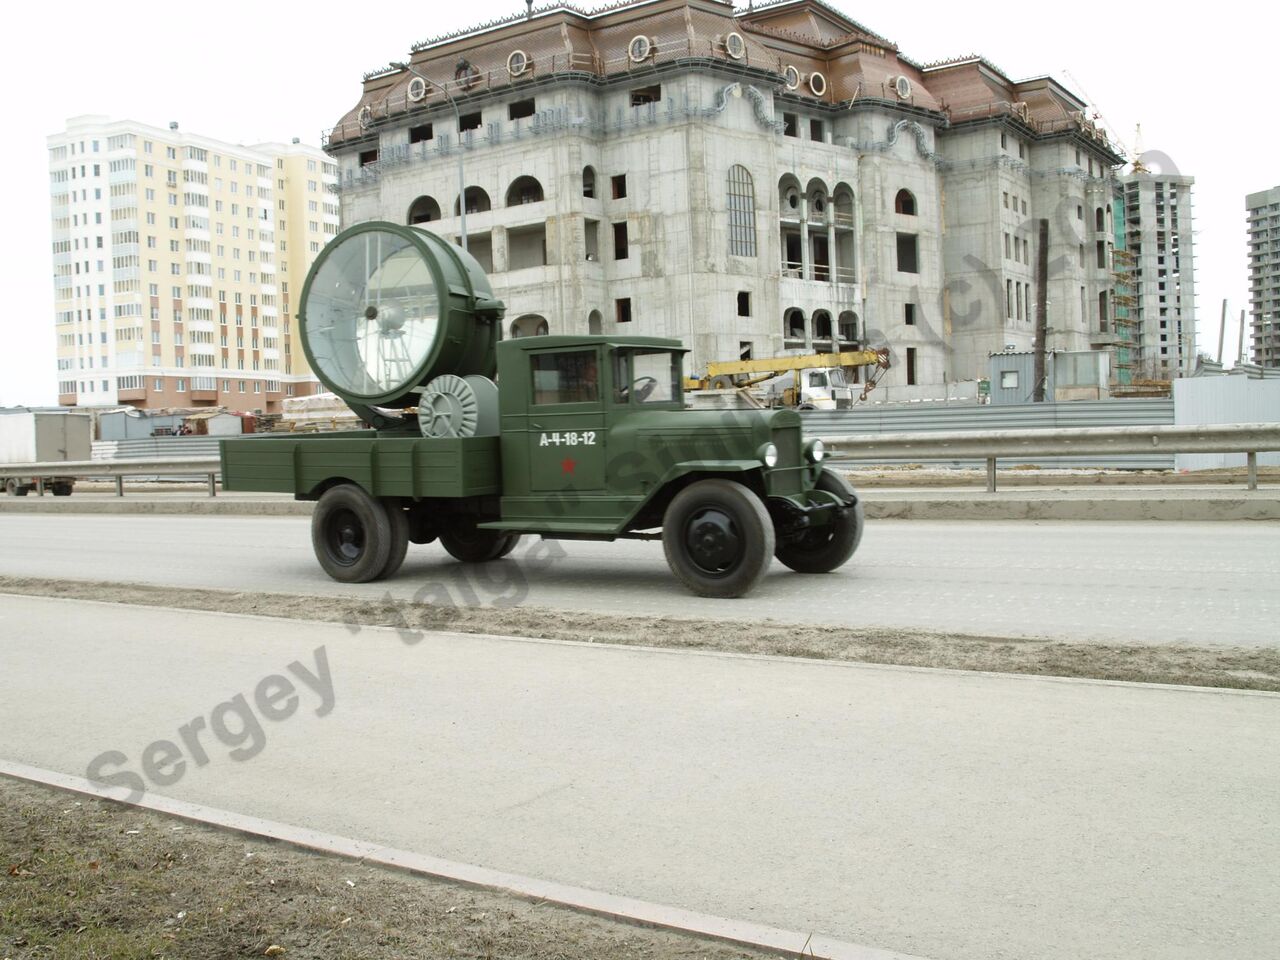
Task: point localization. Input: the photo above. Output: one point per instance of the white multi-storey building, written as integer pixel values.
(177, 260)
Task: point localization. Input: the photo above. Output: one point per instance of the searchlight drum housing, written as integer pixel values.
(386, 309)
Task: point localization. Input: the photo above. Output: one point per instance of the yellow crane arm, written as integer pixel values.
(769, 366)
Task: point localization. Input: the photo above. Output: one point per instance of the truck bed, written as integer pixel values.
(385, 466)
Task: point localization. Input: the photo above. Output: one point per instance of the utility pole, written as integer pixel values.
(462, 183)
(1240, 351)
(1222, 329)
(1042, 312)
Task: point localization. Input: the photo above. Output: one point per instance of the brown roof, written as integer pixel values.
(807, 34)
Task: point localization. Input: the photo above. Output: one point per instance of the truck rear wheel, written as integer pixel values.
(471, 545)
(398, 518)
(718, 538)
(62, 489)
(351, 534)
(823, 549)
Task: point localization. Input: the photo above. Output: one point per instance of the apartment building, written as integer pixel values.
(178, 261)
(753, 182)
(1264, 276)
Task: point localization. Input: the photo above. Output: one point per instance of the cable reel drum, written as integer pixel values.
(386, 311)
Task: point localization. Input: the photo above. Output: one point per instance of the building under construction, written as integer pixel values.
(753, 182)
(1264, 276)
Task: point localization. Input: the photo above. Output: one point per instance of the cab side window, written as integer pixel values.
(571, 376)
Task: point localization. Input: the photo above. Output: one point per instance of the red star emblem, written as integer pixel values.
(567, 465)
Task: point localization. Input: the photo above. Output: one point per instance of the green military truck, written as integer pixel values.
(580, 438)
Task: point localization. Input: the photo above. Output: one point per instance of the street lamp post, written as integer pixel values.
(462, 184)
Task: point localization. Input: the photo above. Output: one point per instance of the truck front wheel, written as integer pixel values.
(718, 538)
(470, 545)
(14, 489)
(823, 549)
(351, 534)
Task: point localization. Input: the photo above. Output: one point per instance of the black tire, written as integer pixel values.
(16, 489)
(398, 519)
(828, 548)
(470, 545)
(62, 489)
(11, 487)
(351, 534)
(718, 538)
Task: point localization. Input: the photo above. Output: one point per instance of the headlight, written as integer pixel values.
(815, 451)
(769, 455)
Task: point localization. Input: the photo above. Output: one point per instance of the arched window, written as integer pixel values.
(905, 203)
(742, 212)
(822, 325)
(1097, 220)
(524, 190)
(789, 196)
(594, 323)
(793, 324)
(588, 181)
(849, 326)
(477, 201)
(423, 210)
(530, 325)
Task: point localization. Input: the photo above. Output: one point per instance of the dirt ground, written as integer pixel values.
(1237, 667)
(88, 879)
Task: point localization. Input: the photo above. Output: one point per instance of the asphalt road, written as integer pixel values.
(953, 816)
(1201, 583)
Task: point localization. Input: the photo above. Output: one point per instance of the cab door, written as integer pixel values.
(566, 432)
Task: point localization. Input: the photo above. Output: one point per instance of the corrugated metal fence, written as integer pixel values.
(928, 418)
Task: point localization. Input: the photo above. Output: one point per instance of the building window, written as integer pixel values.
(622, 310)
(911, 366)
(908, 261)
(1008, 299)
(424, 210)
(620, 241)
(618, 186)
(1008, 379)
(909, 314)
(366, 157)
(642, 95)
(588, 182)
(521, 109)
(744, 303)
(742, 212)
(421, 133)
(816, 131)
(469, 121)
(524, 190)
(790, 125)
(905, 203)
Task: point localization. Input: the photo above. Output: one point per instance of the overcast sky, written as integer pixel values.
(1201, 84)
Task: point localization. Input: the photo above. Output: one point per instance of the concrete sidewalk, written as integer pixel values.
(945, 815)
(1124, 503)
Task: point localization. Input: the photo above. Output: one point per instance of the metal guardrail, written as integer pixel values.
(989, 445)
(119, 469)
(993, 445)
